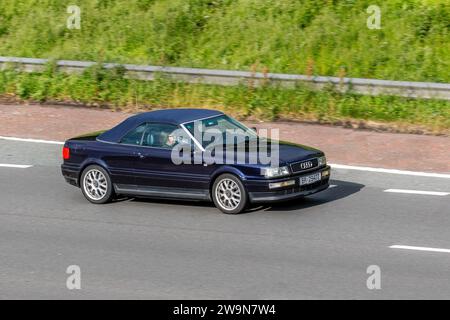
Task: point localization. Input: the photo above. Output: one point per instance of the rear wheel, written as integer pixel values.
(96, 185)
(229, 194)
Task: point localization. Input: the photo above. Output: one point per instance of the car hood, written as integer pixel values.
(292, 152)
(288, 152)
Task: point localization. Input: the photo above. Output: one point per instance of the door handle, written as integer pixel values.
(140, 155)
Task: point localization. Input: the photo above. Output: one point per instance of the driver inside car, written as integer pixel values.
(168, 139)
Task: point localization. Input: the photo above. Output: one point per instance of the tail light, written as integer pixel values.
(66, 153)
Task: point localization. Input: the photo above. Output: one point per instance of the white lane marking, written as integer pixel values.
(31, 140)
(428, 193)
(333, 165)
(392, 171)
(17, 166)
(420, 248)
(332, 186)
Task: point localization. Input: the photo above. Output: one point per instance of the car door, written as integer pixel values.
(157, 170)
(122, 158)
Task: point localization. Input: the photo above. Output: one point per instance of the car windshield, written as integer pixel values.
(229, 129)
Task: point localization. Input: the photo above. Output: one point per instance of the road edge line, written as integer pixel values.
(333, 165)
(31, 140)
(421, 192)
(391, 171)
(16, 166)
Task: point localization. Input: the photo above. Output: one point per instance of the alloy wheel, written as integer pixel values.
(228, 194)
(95, 184)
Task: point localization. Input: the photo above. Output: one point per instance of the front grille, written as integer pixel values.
(304, 165)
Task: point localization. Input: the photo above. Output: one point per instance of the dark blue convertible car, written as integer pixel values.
(192, 154)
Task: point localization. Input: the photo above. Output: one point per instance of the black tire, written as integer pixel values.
(220, 202)
(106, 189)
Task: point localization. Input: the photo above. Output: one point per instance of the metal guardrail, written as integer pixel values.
(425, 90)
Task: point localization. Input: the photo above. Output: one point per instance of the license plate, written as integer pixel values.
(310, 179)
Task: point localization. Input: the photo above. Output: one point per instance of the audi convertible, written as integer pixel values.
(192, 154)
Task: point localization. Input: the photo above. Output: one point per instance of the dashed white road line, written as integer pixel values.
(392, 171)
(31, 140)
(420, 248)
(16, 166)
(428, 193)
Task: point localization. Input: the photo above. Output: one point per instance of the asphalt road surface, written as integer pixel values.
(316, 248)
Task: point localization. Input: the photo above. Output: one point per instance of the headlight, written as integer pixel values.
(275, 172)
(322, 161)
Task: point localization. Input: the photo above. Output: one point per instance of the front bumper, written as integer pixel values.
(259, 191)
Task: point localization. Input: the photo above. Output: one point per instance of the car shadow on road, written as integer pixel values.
(339, 190)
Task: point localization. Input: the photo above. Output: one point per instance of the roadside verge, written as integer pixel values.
(344, 146)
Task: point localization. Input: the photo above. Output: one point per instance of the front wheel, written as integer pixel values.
(96, 185)
(229, 194)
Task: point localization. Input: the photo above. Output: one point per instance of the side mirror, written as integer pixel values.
(196, 156)
(254, 129)
(195, 151)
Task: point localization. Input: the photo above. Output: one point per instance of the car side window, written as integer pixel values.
(160, 135)
(134, 137)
